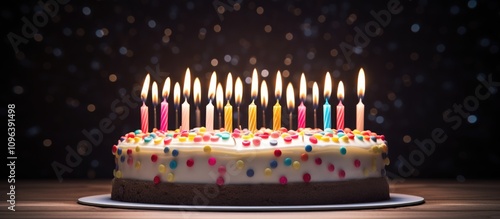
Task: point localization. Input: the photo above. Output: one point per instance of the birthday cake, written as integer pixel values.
(243, 168)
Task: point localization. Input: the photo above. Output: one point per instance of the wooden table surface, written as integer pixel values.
(443, 199)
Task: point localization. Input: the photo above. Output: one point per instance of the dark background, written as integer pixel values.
(429, 58)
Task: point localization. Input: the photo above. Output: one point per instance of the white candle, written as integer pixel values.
(360, 108)
(210, 107)
(197, 100)
(185, 105)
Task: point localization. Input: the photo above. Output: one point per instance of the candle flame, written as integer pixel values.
(197, 91)
(290, 97)
(220, 97)
(315, 95)
(187, 84)
(328, 86)
(303, 88)
(340, 91)
(212, 87)
(145, 88)
(238, 91)
(229, 87)
(154, 92)
(166, 88)
(177, 94)
(263, 94)
(255, 84)
(277, 89)
(361, 83)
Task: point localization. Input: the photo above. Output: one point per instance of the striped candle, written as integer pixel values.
(144, 108)
(327, 109)
(340, 106)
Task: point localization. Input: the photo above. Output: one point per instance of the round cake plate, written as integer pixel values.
(396, 200)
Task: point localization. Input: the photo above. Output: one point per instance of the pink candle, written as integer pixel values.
(340, 107)
(144, 108)
(164, 106)
(301, 117)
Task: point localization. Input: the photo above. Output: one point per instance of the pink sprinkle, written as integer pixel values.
(295, 136)
(214, 138)
(236, 130)
(220, 181)
(184, 134)
(154, 158)
(167, 140)
(277, 152)
(197, 138)
(114, 149)
(245, 143)
(206, 137)
(331, 167)
(222, 170)
(275, 135)
(129, 151)
(318, 161)
(156, 180)
(341, 174)
(357, 163)
(283, 180)
(212, 161)
(306, 177)
(283, 130)
(256, 141)
(288, 139)
(130, 161)
(264, 135)
(190, 162)
(236, 134)
(313, 139)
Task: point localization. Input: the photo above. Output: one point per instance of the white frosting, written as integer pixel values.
(230, 153)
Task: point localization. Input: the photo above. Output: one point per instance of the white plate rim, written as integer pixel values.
(396, 200)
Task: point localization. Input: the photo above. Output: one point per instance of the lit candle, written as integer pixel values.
(220, 102)
(327, 109)
(144, 108)
(252, 108)
(210, 107)
(238, 95)
(263, 101)
(340, 107)
(228, 109)
(177, 101)
(185, 106)
(197, 100)
(277, 106)
(315, 103)
(164, 106)
(360, 108)
(301, 114)
(290, 100)
(154, 96)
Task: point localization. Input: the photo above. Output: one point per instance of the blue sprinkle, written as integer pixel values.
(250, 172)
(343, 150)
(340, 134)
(170, 135)
(166, 150)
(122, 158)
(119, 151)
(148, 139)
(273, 142)
(152, 135)
(360, 137)
(309, 148)
(173, 164)
(340, 130)
(138, 131)
(273, 164)
(225, 136)
(373, 138)
(122, 139)
(288, 161)
(175, 152)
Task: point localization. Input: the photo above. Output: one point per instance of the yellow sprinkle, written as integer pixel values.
(202, 129)
(365, 171)
(130, 140)
(170, 177)
(158, 140)
(240, 164)
(335, 139)
(384, 148)
(387, 161)
(284, 135)
(207, 149)
(268, 171)
(246, 137)
(137, 149)
(356, 132)
(296, 165)
(182, 139)
(177, 130)
(191, 136)
(137, 139)
(325, 138)
(138, 164)
(318, 136)
(345, 139)
(162, 168)
(250, 134)
(301, 133)
(118, 174)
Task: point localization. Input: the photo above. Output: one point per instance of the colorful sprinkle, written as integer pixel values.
(191, 136)
(214, 138)
(212, 161)
(275, 135)
(167, 140)
(287, 161)
(137, 149)
(304, 157)
(118, 174)
(268, 171)
(283, 180)
(357, 163)
(343, 150)
(137, 139)
(341, 174)
(137, 164)
(206, 137)
(222, 170)
(175, 152)
(313, 140)
(172, 164)
(308, 148)
(190, 162)
(273, 164)
(147, 139)
(170, 177)
(246, 143)
(295, 136)
(162, 168)
(130, 161)
(182, 139)
(220, 181)
(207, 149)
(198, 138)
(154, 158)
(288, 139)
(325, 139)
(122, 158)
(240, 164)
(225, 136)
(129, 151)
(296, 165)
(306, 177)
(256, 141)
(273, 142)
(335, 139)
(331, 167)
(119, 151)
(114, 149)
(166, 150)
(277, 153)
(250, 172)
(156, 180)
(318, 161)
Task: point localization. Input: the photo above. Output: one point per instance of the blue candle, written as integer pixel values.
(327, 109)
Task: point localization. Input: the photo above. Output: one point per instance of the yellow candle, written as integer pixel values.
(228, 109)
(277, 106)
(360, 108)
(252, 108)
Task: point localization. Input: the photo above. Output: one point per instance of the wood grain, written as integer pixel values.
(444, 199)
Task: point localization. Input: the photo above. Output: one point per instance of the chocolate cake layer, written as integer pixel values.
(317, 193)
